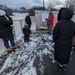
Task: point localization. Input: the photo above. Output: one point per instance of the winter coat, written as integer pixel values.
(28, 21)
(50, 20)
(5, 27)
(62, 35)
(26, 30)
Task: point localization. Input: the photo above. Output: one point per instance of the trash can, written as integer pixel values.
(73, 41)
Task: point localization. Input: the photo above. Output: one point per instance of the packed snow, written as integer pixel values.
(23, 60)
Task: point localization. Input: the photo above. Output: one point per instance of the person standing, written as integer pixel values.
(50, 22)
(28, 20)
(6, 31)
(62, 36)
(26, 30)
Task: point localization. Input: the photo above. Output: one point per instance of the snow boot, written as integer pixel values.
(16, 46)
(9, 49)
(61, 68)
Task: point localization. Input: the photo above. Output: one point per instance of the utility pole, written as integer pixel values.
(43, 3)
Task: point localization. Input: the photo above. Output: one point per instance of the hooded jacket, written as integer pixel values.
(5, 26)
(62, 36)
(59, 15)
(28, 20)
(26, 29)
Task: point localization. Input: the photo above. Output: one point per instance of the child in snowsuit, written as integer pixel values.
(26, 31)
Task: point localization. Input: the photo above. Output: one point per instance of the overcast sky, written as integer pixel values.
(29, 3)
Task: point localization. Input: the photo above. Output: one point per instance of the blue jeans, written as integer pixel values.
(26, 37)
(6, 42)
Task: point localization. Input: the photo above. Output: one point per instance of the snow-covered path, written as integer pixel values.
(28, 59)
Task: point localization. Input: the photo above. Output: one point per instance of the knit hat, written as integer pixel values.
(27, 13)
(2, 13)
(26, 25)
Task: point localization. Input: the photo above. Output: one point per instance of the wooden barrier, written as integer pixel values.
(16, 20)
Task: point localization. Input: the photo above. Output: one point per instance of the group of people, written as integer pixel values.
(63, 36)
(26, 28)
(63, 33)
(6, 30)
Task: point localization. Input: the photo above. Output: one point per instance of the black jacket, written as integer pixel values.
(62, 36)
(28, 21)
(5, 27)
(26, 30)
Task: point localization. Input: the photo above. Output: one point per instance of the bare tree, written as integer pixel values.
(70, 4)
(50, 7)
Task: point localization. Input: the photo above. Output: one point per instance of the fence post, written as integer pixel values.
(21, 25)
(14, 32)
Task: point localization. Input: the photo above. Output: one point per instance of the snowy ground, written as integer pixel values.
(29, 58)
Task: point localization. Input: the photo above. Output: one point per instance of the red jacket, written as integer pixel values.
(50, 20)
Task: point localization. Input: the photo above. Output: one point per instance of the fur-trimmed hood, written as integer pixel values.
(2, 13)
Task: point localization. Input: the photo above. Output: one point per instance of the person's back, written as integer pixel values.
(26, 31)
(65, 25)
(28, 20)
(62, 36)
(66, 29)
